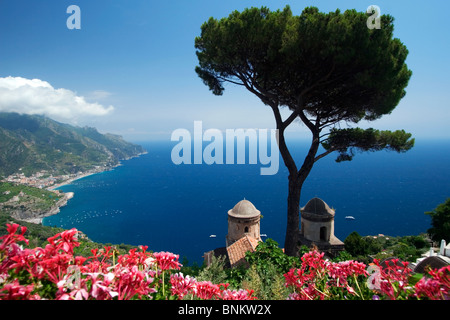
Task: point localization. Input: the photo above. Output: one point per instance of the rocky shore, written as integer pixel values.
(28, 209)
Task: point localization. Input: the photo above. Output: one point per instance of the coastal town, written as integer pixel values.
(46, 180)
(30, 206)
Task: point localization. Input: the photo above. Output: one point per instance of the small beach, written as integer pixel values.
(69, 181)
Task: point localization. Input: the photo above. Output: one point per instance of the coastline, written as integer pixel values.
(91, 173)
(69, 181)
(67, 195)
(70, 195)
(55, 210)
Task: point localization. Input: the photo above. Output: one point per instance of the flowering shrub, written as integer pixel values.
(320, 279)
(437, 287)
(54, 272)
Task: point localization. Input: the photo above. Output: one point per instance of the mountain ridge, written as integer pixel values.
(32, 143)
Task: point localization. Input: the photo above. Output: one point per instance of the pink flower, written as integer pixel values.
(240, 294)
(75, 294)
(65, 240)
(392, 279)
(130, 282)
(435, 287)
(12, 237)
(316, 275)
(429, 288)
(167, 260)
(102, 289)
(374, 280)
(79, 278)
(16, 291)
(182, 286)
(206, 290)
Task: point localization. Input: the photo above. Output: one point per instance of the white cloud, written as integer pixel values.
(39, 97)
(98, 95)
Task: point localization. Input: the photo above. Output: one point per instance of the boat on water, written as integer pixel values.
(349, 217)
(212, 236)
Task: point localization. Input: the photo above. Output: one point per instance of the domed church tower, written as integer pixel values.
(243, 235)
(317, 227)
(243, 220)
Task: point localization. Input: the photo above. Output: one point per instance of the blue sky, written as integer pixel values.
(130, 68)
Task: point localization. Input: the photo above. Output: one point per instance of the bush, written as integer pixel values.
(268, 253)
(440, 220)
(54, 272)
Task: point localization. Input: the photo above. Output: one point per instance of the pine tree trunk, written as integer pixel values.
(295, 187)
(293, 217)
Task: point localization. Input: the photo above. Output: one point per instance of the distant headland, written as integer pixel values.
(40, 153)
(33, 145)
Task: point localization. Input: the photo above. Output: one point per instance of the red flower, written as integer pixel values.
(15, 291)
(206, 290)
(12, 237)
(167, 260)
(182, 286)
(394, 278)
(65, 241)
(240, 294)
(435, 288)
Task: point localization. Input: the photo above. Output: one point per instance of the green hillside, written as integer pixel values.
(31, 143)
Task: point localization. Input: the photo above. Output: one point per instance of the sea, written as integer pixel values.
(182, 208)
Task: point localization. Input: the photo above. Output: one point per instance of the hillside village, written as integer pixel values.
(46, 180)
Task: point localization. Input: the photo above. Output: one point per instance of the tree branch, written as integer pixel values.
(230, 81)
(320, 156)
(291, 118)
(285, 154)
(319, 82)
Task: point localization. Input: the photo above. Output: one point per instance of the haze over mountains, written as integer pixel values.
(31, 143)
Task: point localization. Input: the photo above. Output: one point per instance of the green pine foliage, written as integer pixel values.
(326, 70)
(440, 220)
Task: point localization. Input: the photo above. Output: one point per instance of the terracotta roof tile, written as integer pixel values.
(237, 250)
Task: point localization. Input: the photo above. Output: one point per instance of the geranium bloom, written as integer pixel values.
(342, 270)
(65, 240)
(435, 288)
(102, 289)
(317, 275)
(75, 294)
(131, 282)
(394, 278)
(167, 260)
(12, 237)
(207, 290)
(373, 282)
(240, 294)
(16, 291)
(60, 275)
(182, 286)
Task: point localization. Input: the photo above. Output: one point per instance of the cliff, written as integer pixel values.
(31, 204)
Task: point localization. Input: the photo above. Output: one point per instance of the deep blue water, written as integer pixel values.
(151, 201)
